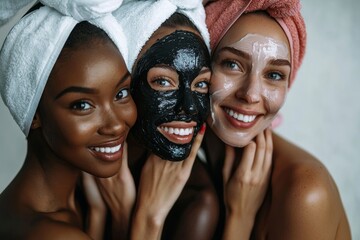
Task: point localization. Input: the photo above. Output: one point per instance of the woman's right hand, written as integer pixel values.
(245, 184)
(161, 183)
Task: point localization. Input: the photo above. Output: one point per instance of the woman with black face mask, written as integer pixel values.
(170, 64)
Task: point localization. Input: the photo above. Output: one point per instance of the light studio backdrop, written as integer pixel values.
(322, 112)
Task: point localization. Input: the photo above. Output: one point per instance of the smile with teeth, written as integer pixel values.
(239, 116)
(178, 131)
(107, 149)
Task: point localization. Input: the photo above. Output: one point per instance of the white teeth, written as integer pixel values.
(239, 116)
(107, 149)
(178, 131)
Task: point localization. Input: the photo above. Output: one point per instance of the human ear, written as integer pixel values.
(36, 123)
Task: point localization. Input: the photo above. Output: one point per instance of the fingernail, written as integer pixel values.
(203, 128)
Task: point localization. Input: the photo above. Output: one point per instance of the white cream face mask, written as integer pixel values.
(248, 87)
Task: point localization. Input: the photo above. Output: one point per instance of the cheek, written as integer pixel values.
(63, 128)
(221, 86)
(275, 98)
(128, 113)
(76, 131)
(203, 104)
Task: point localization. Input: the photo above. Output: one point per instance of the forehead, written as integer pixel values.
(183, 50)
(89, 66)
(254, 23)
(161, 33)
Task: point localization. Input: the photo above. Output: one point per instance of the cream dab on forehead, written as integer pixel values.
(262, 49)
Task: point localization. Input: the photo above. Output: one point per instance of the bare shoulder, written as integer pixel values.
(305, 197)
(15, 223)
(56, 230)
(299, 173)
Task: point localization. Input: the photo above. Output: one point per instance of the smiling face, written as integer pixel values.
(170, 89)
(251, 69)
(86, 109)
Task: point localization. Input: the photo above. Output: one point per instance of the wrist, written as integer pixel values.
(240, 218)
(154, 220)
(237, 227)
(145, 225)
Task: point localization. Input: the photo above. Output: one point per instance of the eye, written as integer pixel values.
(123, 93)
(162, 82)
(163, 78)
(81, 106)
(232, 65)
(202, 85)
(275, 76)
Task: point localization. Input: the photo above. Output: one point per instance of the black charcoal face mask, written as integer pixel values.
(186, 53)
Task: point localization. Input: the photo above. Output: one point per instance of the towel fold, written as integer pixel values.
(9, 8)
(140, 19)
(34, 44)
(221, 15)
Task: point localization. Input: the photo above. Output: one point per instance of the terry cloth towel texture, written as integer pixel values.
(9, 8)
(140, 19)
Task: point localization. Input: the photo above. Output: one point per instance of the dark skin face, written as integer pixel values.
(86, 110)
(170, 88)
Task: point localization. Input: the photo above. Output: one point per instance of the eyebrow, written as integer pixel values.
(77, 89)
(123, 79)
(235, 51)
(162, 65)
(204, 70)
(280, 62)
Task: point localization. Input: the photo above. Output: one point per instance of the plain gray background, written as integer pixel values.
(322, 112)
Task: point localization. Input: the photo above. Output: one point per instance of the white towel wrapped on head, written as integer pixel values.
(34, 44)
(141, 18)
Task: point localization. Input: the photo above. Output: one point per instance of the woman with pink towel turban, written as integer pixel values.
(257, 48)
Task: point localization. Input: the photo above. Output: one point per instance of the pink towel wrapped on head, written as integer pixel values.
(221, 15)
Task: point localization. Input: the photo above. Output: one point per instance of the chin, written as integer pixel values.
(233, 137)
(235, 140)
(174, 153)
(106, 173)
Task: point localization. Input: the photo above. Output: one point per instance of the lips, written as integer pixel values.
(241, 119)
(111, 151)
(177, 132)
(239, 116)
(107, 149)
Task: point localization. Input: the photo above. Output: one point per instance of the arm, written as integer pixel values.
(161, 183)
(245, 185)
(97, 209)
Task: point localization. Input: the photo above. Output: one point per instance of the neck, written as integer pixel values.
(52, 179)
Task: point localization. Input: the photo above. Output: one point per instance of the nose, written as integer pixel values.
(187, 103)
(250, 90)
(111, 123)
